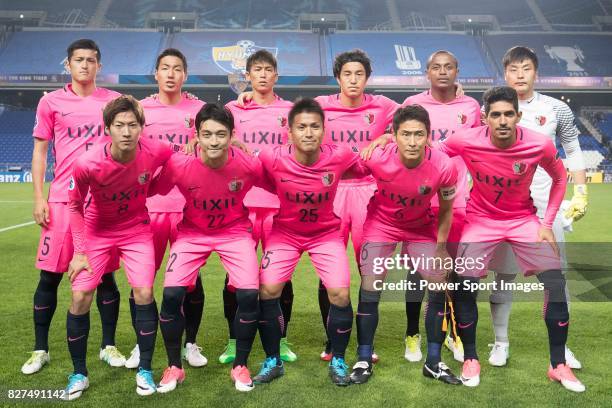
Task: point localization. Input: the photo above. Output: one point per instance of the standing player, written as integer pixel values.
(116, 177)
(214, 183)
(353, 119)
(502, 158)
(70, 118)
(553, 118)
(170, 119)
(261, 124)
(449, 113)
(305, 175)
(408, 175)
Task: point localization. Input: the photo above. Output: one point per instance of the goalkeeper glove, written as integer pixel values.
(578, 204)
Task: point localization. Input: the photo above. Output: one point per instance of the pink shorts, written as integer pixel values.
(163, 226)
(351, 205)
(55, 248)
(380, 242)
(481, 236)
(134, 247)
(327, 253)
(454, 236)
(190, 251)
(262, 219)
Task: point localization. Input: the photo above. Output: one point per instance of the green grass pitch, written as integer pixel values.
(395, 382)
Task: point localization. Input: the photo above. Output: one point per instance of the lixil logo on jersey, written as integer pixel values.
(235, 185)
(368, 118)
(519, 167)
(461, 118)
(540, 120)
(328, 179)
(189, 122)
(144, 178)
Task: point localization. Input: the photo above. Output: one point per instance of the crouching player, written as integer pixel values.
(502, 158)
(408, 175)
(117, 176)
(214, 182)
(305, 175)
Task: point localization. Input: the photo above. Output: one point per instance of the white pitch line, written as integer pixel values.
(12, 227)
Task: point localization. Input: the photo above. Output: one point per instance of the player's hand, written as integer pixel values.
(459, 91)
(546, 235)
(191, 96)
(237, 143)
(244, 98)
(79, 263)
(41, 212)
(190, 146)
(381, 141)
(578, 204)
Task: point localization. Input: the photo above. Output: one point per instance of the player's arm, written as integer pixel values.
(163, 183)
(452, 146)
(381, 141)
(39, 166)
(553, 165)
(78, 189)
(446, 197)
(568, 133)
(244, 98)
(263, 176)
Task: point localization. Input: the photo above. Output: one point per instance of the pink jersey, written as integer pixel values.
(74, 124)
(501, 177)
(261, 127)
(306, 193)
(213, 196)
(118, 190)
(171, 124)
(446, 118)
(403, 198)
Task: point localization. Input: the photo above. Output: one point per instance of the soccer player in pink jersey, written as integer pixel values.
(305, 175)
(260, 123)
(353, 119)
(502, 158)
(448, 113)
(116, 177)
(71, 119)
(170, 115)
(408, 175)
(214, 183)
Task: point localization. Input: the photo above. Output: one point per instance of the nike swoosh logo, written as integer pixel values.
(461, 326)
(476, 161)
(563, 324)
(244, 120)
(66, 114)
(247, 321)
(364, 314)
(331, 119)
(36, 307)
(343, 331)
(442, 313)
(70, 339)
(40, 260)
(146, 333)
(284, 180)
(193, 188)
(149, 124)
(108, 302)
(161, 319)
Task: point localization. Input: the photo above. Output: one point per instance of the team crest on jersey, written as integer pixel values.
(541, 120)
(328, 179)
(282, 121)
(369, 118)
(519, 167)
(235, 185)
(424, 190)
(189, 122)
(144, 178)
(233, 58)
(71, 184)
(461, 118)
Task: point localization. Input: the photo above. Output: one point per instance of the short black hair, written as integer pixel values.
(500, 93)
(436, 53)
(305, 105)
(123, 103)
(171, 52)
(261, 56)
(84, 44)
(518, 54)
(218, 113)
(352, 56)
(411, 112)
